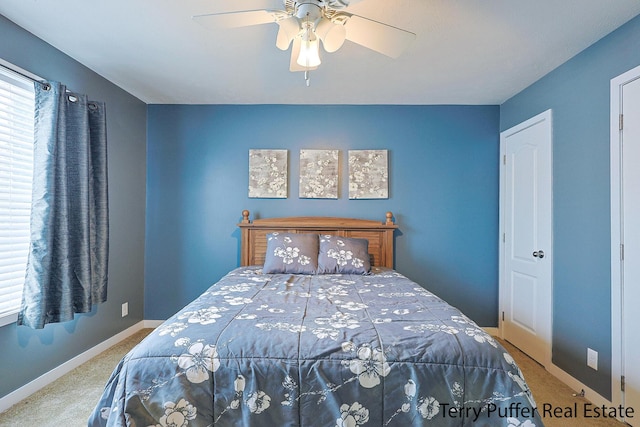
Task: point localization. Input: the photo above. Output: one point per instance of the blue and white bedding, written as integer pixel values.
(317, 350)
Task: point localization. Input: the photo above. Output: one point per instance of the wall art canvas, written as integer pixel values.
(319, 174)
(268, 173)
(368, 174)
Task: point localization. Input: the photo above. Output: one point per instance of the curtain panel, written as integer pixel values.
(68, 257)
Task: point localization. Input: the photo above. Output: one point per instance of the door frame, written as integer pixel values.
(616, 232)
(544, 116)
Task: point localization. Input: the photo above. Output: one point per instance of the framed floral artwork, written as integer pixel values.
(268, 173)
(368, 174)
(319, 174)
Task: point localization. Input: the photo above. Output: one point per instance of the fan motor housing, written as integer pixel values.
(309, 10)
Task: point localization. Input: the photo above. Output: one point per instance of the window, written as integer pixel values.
(16, 175)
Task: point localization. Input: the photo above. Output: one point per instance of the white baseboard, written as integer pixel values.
(152, 323)
(589, 394)
(28, 389)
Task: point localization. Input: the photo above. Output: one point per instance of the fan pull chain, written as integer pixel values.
(307, 78)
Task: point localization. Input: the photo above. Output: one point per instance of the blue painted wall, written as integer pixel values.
(26, 354)
(443, 166)
(578, 93)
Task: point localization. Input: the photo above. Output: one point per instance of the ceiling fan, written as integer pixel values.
(303, 24)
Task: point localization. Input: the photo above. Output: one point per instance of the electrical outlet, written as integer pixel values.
(592, 359)
(125, 309)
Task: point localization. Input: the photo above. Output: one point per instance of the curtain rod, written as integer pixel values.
(23, 73)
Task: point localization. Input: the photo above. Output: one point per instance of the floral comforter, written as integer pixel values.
(325, 350)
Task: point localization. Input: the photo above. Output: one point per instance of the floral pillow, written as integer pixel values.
(291, 253)
(343, 255)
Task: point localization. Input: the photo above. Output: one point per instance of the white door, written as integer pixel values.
(526, 250)
(628, 251)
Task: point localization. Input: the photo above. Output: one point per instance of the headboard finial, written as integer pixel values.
(245, 217)
(389, 218)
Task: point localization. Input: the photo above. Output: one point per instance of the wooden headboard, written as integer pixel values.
(379, 234)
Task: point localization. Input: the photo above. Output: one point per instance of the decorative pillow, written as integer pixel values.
(343, 255)
(291, 253)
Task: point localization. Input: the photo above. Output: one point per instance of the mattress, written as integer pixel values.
(332, 350)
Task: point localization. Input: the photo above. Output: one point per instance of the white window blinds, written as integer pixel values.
(16, 175)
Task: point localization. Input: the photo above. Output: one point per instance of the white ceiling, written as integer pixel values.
(466, 51)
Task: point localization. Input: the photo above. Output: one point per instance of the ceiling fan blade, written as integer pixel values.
(243, 18)
(382, 38)
(295, 52)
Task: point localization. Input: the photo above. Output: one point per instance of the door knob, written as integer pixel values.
(538, 254)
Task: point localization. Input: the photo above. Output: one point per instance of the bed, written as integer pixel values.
(342, 340)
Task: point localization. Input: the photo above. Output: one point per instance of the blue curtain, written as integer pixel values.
(68, 257)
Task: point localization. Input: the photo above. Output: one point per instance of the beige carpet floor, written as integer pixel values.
(68, 401)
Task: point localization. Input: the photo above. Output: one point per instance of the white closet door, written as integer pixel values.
(526, 224)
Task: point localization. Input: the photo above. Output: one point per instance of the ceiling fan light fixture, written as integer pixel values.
(288, 29)
(332, 34)
(309, 48)
(309, 54)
